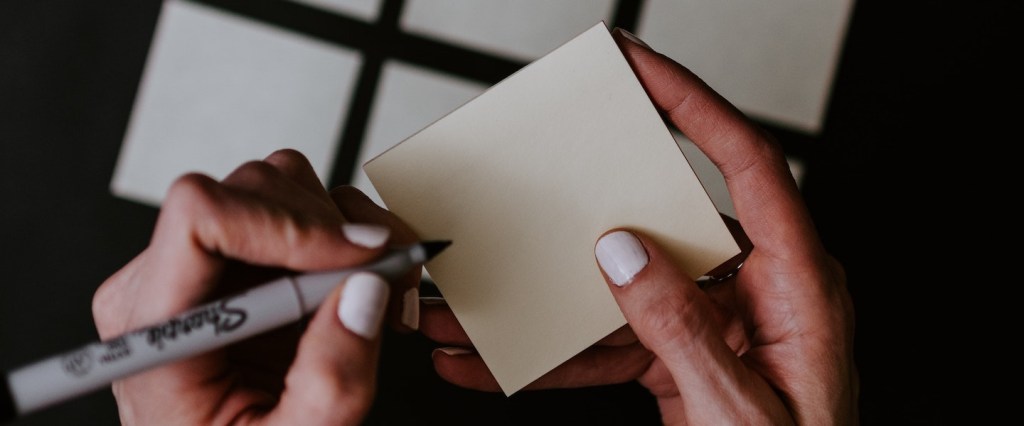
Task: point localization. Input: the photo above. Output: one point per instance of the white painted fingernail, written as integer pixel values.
(621, 256)
(363, 301)
(366, 235)
(411, 308)
(453, 351)
(633, 38)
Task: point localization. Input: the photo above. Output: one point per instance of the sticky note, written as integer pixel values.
(775, 60)
(220, 89)
(408, 98)
(521, 30)
(524, 179)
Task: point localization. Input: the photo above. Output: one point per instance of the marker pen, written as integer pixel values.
(287, 299)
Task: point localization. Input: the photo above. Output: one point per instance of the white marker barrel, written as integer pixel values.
(198, 330)
(217, 324)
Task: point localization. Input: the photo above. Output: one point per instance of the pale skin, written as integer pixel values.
(771, 345)
(212, 238)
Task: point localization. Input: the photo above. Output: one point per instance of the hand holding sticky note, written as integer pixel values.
(524, 179)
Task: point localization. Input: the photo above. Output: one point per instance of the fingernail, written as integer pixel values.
(621, 256)
(429, 300)
(631, 37)
(366, 235)
(411, 308)
(362, 304)
(453, 351)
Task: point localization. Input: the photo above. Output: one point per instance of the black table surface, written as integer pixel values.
(911, 103)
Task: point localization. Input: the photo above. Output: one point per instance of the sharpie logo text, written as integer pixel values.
(221, 317)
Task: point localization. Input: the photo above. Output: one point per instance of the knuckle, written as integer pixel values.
(286, 156)
(672, 319)
(253, 173)
(764, 151)
(191, 197)
(189, 191)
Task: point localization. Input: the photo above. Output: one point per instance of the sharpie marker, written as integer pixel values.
(214, 325)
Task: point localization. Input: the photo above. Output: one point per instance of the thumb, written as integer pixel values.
(674, 319)
(664, 307)
(333, 378)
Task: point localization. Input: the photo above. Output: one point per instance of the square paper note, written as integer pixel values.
(775, 60)
(524, 178)
(220, 89)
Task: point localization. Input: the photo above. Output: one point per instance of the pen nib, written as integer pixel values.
(432, 248)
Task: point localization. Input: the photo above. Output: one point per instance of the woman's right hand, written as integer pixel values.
(772, 344)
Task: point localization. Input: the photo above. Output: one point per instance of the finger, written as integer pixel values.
(595, 366)
(285, 178)
(464, 367)
(333, 378)
(296, 167)
(404, 308)
(438, 323)
(762, 188)
(356, 206)
(203, 222)
(677, 321)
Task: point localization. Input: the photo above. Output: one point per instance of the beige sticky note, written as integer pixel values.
(524, 179)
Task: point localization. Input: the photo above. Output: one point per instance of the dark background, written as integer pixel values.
(911, 125)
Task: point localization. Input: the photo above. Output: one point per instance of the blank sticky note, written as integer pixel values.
(408, 98)
(521, 29)
(219, 90)
(524, 179)
(774, 59)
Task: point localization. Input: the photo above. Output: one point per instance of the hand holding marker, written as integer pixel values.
(216, 324)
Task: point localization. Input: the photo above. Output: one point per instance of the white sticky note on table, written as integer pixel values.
(408, 98)
(521, 29)
(524, 178)
(220, 89)
(775, 60)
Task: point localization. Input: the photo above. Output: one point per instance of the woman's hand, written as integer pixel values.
(215, 238)
(772, 344)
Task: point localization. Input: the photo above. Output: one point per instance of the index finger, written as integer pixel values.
(767, 200)
(404, 307)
